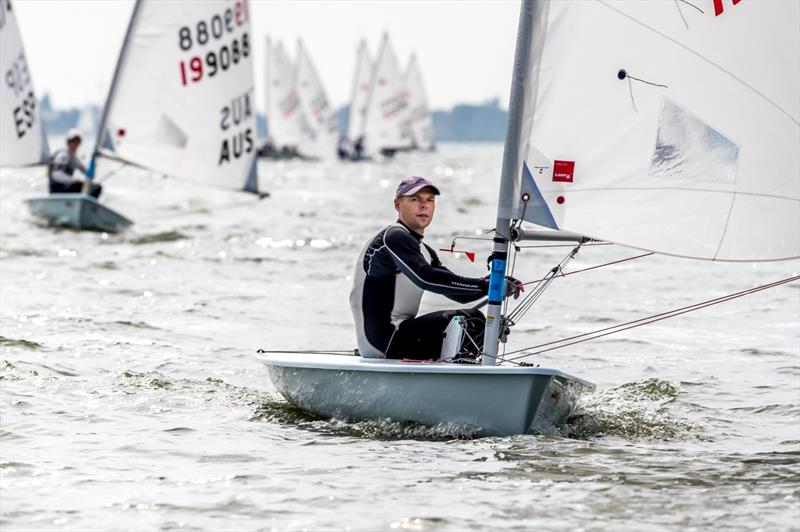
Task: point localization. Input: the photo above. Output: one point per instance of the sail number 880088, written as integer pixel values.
(192, 71)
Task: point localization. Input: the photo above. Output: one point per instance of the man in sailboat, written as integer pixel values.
(63, 163)
(391, 274)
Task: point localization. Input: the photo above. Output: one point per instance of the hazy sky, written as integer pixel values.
(465, 48)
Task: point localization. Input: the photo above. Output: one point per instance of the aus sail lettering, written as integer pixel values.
(236, 121)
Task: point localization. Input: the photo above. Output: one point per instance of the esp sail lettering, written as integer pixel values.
(18, 80)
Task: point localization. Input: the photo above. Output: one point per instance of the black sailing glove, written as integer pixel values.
(513, 287)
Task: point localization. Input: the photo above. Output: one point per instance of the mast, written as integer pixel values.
(509, 177)
(101, 129)
(268, 90)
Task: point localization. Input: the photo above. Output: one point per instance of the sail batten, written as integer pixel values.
(679, 138)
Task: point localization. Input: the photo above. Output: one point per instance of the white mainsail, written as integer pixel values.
(419, 113)
(182, 101)
(386, 124)
(315, 106)
(286, 123)
(667, 126)
(22, 137)
(360, 93)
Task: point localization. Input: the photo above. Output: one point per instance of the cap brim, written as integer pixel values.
(420, 187)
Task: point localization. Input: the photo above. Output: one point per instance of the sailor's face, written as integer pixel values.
(416, 211)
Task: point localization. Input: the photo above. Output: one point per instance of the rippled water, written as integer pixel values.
(131, 398)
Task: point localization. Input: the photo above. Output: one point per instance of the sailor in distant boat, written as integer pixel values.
(63, 163)
(391, 274)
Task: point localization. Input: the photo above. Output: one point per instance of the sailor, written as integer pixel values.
(63, 164)
(358, 149)
(343, 148)
(391, 274)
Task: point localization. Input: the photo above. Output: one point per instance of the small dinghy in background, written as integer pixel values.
(157, 116)
(79, 211)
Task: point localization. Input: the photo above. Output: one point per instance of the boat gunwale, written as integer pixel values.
(338, 362)
(83, 199)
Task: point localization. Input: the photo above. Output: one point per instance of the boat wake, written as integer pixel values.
(282, 412)
(635, 410)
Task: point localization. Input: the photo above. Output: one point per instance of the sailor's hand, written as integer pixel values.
(513, 287)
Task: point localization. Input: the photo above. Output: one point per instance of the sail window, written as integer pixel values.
(689, 149)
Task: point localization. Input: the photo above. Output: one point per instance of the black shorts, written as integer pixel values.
(75, 187)
(421, 338)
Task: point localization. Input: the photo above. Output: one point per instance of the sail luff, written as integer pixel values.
(102, 133)
(510, 174)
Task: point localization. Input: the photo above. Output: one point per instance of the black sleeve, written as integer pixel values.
(404, 250)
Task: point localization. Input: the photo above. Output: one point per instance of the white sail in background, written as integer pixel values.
(667, 126)
(182, 101)
(359, 96)
(419, 113)
(286, 124)
(315, 106)
(22, 137)
(386, 124)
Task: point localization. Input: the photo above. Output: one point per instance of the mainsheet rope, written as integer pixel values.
(564, 342)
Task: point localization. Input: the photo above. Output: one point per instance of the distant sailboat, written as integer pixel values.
(650, 124)
(22, 137)
(288, 129)
(315, 106)
(359, 98)
(419, 113)
(386, 123)
(181, 98)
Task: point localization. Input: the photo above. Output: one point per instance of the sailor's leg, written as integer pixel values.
(421, 338)
(95, 190)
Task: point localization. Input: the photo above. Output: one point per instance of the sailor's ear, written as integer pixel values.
(397, 204)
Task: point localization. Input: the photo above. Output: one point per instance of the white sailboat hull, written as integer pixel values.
(500, 400)
(79, 211)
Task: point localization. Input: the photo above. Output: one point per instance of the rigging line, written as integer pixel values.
(599, 266)
(660, 315)
(703, 58)
(633, 102)
(647, 320)
(680, 12)
(527, 303)
(566, 245)
(725, 229)
(307, 352)
(691, 4)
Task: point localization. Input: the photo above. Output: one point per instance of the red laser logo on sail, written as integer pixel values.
(563, 171)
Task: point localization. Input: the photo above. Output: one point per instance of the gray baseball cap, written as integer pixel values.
(411, 185)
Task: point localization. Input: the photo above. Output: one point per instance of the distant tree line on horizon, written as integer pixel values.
(484, 122)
